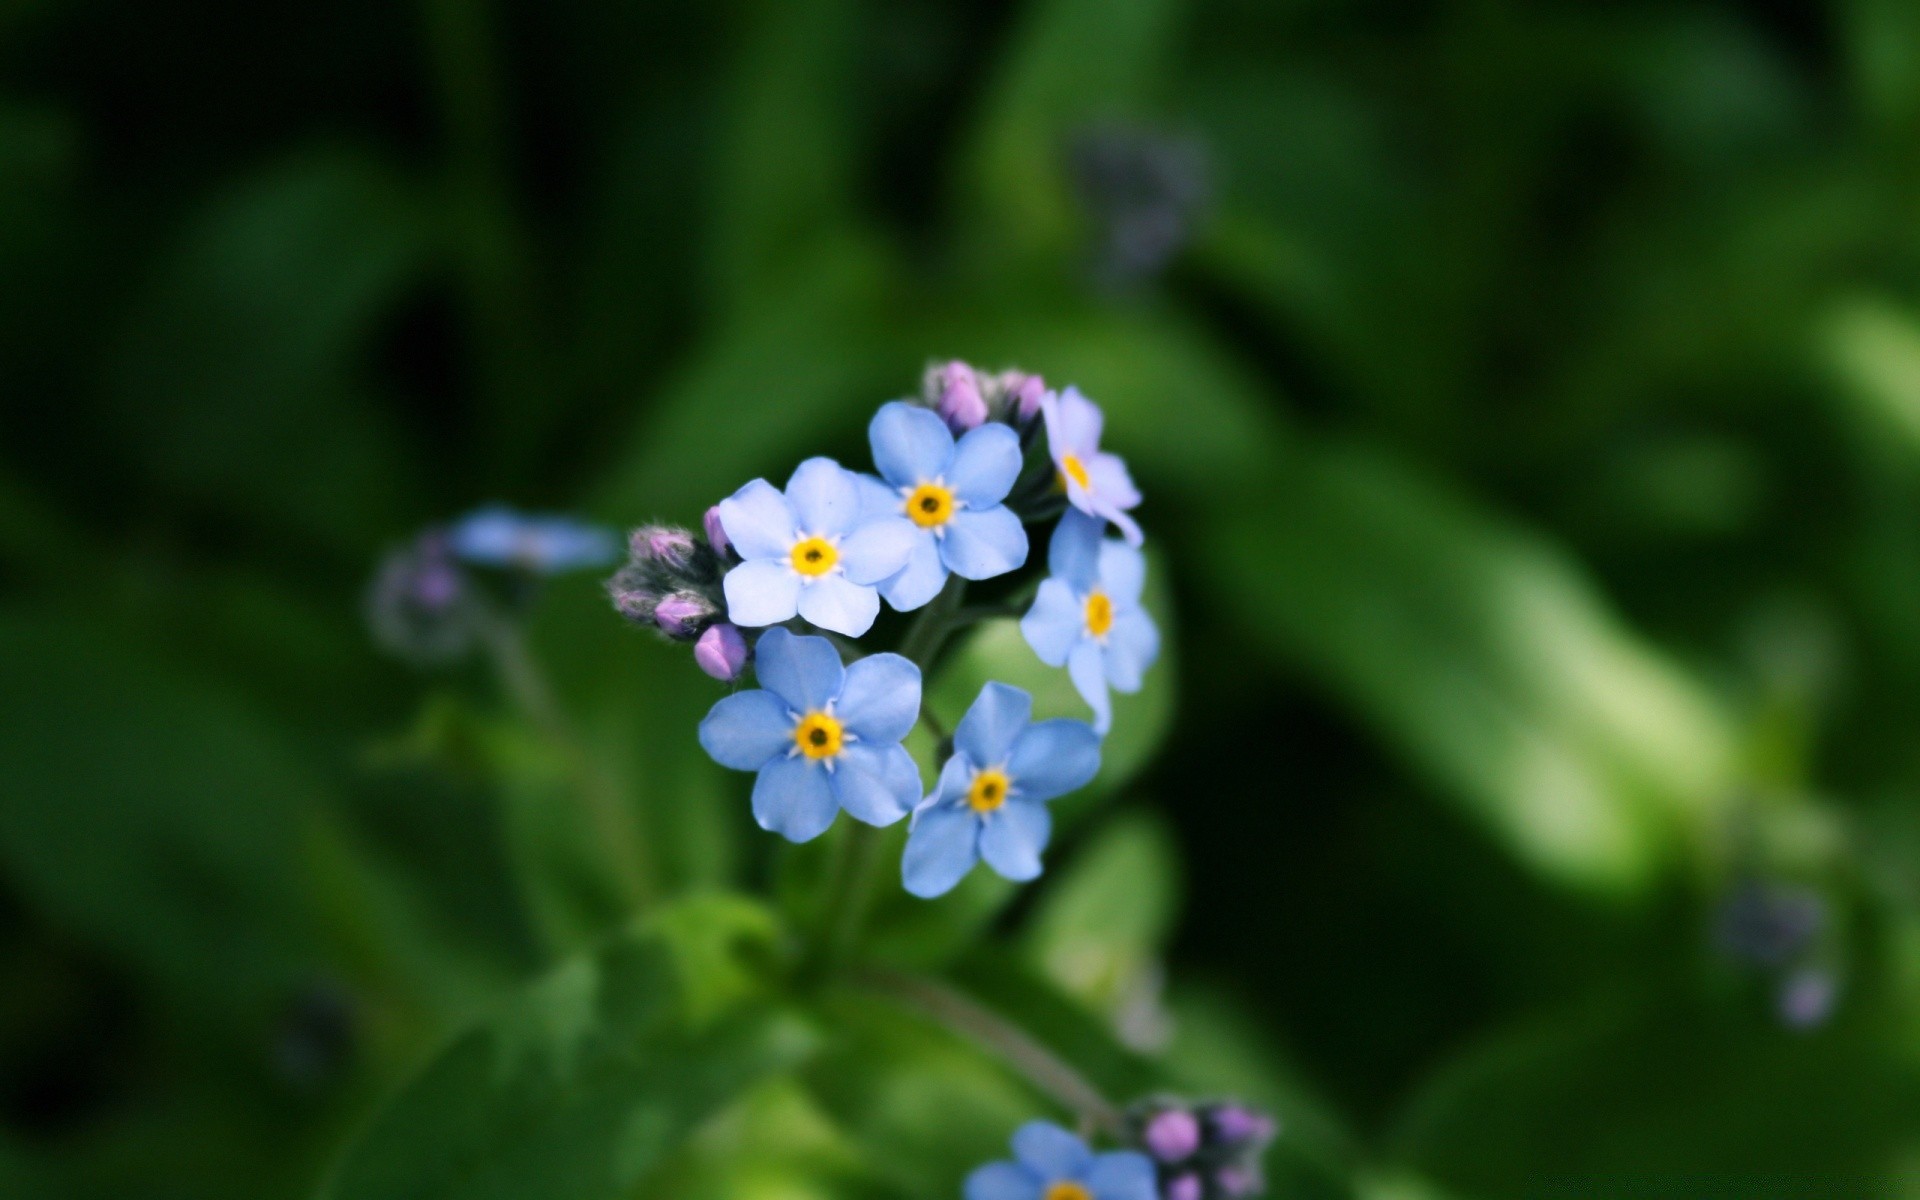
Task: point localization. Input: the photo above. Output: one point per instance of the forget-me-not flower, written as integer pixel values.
(812, 551)
(1097, 483)
(1052, 1164)
(950, 493)
(498, 536)
(1087, 616)
(823, 737)
(991, 799)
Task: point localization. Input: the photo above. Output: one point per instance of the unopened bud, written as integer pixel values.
(716, 532)
(721, 652)
(663, 544)
(681, 615)
(1023, 392)
(1183, 1187)
(1172, 1135)
(1234, 1124)
(957, 397)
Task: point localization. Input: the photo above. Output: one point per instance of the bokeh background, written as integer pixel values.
(1527, 398)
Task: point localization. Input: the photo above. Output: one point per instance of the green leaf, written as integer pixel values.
(594, 1077)
(1100, 929)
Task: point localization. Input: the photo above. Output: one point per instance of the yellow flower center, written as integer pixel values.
(1072, 468)
(819, 735)
(1066, 1189)
(815, 556)
(1099, 614)
(930, 505)
(989, 790)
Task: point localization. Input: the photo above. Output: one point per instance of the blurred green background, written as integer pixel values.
(1527, 397)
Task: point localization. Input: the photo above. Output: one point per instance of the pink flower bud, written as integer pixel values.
(721, 652)
(681, 614)
(1172, 1135)
(960, 403)
(1184, 1187)
(716, 532)
(1023, 393)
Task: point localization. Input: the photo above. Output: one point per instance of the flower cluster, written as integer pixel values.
(1202, 1151)
(1777, 930)
(786, 580)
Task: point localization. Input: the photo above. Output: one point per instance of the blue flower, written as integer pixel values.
(991, 799)
(950, 492)
(822, 737)
(1052, 1164)
(812, 551)
(498, 536)
(1087, 616)
(1097, 483)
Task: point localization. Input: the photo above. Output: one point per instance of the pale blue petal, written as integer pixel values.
(759, 521)
(1132, 645)
(1074, 552)
(877, 784)
(825, 497)
(993, 721)
(878, 498)
(879, 548)
(983, 544)
(880, 700)
(1123, 573)
(803, 671)
(761, 592)
(1053, 758)
(910, 444)
(837, 603)
(1003, 1181)
(942, 848)
(1089, 674)
(985, 463)
(1012, 837)
(1051, 1152)
(1111, 482)
(921, 579)
(793, 798)
(489, 536)
(1128, 527)
(1073, 424)
(1055, 623)
(746, 729)
(564, 544)
(955, 777)
(1124, 1175)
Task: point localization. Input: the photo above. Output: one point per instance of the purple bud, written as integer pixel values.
(1024, 391)
(681, 614)
(721, 652)
(1183, 1187)
(1236, 1181)
(634, 603)
(1171, 1135)
(1806, 998)
(1236, 1123)
(960, 403)
(661, 543)
(716, 533)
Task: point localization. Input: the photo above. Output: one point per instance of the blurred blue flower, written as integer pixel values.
(1087, 616)
(822, 737)
(950, 493)
(498, 536)
(421, 605)
(1052, 1164)
(1097, 483)
(991, 799)
(811, 552)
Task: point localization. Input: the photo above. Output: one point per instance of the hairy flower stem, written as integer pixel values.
(1006, 1041)
(526, 684)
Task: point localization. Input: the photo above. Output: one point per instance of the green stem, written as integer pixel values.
(1003, 1039)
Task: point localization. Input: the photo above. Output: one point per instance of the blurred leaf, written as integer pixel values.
(1487, 658)
(1875, 348)
(594, 1077)
(1100, 929)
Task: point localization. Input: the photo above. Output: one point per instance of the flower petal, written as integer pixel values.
(1053, 758)
(1123, 1175)
(824, 496)
(794, 799)
(1012, 837)
(942, 848)
(910, 444)
(838, 603)
(921, 579)
(803, 671)
(761, 592)
(1111, 482)
(1003, 1181)
(1073, 423)
(880, 700)
(747, 729)
(1128, 527)
(1123, 573)
(878, 498)
(955, 777)
(1132, 645)
(1055, 624)
(984, 543)
(1089, 674)
(993, 721)
(876, 549)
(759, 521)
(877, 784)
(985, 463)
(1074, 552)
(1051, 1152)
